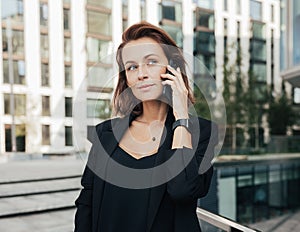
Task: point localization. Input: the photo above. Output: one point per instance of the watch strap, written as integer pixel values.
(182, 122)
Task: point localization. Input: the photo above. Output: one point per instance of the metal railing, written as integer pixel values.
(213, 222)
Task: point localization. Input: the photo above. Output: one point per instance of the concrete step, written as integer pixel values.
(56, 221)
(14, 206)
(35, 187)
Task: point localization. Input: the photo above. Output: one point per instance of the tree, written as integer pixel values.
(233, 94)
(281, 114)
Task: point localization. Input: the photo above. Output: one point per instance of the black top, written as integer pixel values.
(126, 206)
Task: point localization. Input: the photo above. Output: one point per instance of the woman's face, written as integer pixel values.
(144, 62)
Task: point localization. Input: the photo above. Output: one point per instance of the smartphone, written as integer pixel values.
(167, 90)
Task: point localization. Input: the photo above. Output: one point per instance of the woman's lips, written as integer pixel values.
(145, 86)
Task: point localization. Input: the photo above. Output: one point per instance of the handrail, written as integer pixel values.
(222, 222)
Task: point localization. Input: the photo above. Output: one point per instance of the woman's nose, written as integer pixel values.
(142, 71)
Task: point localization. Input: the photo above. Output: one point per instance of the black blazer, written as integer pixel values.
(182, 191)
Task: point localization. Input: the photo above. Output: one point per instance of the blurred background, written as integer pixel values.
(57, 77)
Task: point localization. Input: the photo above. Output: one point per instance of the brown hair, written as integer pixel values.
(124, 101)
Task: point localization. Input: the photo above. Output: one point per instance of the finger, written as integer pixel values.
(181, 82)
(179, 79)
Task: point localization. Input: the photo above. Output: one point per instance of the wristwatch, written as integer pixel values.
(182, 122)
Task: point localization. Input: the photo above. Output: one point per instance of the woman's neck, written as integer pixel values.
(153, 111)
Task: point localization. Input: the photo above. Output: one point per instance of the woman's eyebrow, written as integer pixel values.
(145, 57)
(152, 54)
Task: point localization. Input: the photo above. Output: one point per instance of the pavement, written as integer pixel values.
(39, 195)
(286, 223)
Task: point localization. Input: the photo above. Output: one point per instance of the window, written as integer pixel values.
(225, 5)
(296, 95)
(45, 105)
(260, 71)
(207, 4)
(238, 6)
(99, 50)
(20, 140)
(225, 26)
(68, 76)
(43, 14)
(46, 135)
(45, 75)
(205, 19)
(100, 77)
(68, 136)
(175, 32)
(206, 65)
(171, 10)
(14, 9)
(99, 23)
(67, 19)
(102, 3)
(258, 30)
(68, 106)
(205, 42)
(296, 32)
(256, 10)
(44, 46)
(68, 49)
(98, 108)
(19, 104)
(272, 13)
(18, 70)
(258, 50)
(17, 41)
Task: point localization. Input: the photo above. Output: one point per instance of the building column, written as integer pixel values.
(188, 32)
(33, 75)
(134, 12)
(152, 11)
(56, 73)
(79, 58)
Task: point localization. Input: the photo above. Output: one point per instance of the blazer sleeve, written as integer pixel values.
(83, 215)
(189, 184)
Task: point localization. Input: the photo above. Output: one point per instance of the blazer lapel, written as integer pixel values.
(105, 145)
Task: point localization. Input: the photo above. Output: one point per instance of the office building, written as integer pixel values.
(57, 70)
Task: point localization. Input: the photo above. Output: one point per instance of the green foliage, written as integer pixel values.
(201, 105)
(281, 115)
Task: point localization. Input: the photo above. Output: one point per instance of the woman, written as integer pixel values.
(154, 130)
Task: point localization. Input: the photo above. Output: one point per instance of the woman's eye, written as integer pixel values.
(132, 68)
(152, 62)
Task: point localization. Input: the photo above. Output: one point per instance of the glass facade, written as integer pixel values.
(296, 32)
(204, 43)
(99, 45)
(263, 189)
